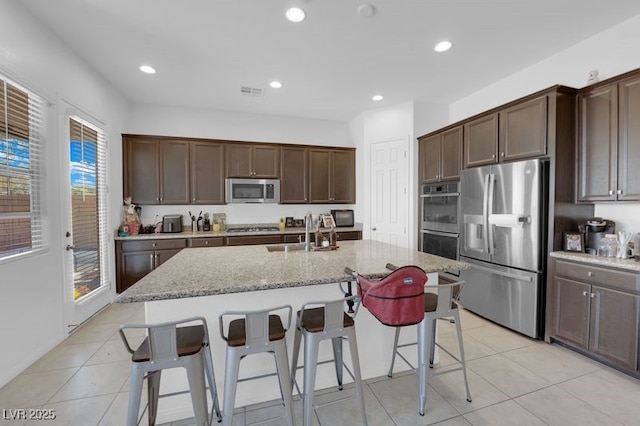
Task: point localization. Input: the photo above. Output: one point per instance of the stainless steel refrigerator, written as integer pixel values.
(503, 238)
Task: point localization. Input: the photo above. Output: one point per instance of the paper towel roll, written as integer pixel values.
(509, 220)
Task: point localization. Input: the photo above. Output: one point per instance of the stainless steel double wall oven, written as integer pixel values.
(440, 229)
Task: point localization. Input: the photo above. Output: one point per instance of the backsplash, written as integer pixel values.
(241, 213)
(626, 216)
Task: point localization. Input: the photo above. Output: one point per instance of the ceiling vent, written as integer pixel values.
(254, 92)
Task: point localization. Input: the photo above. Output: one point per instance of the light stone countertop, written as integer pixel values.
(610, 262)
(208, 271)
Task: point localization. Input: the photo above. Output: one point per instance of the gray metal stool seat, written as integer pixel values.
(442, 305)
(318, 321)
(169, 346)
(255, 332)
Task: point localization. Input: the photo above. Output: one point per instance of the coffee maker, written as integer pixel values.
(594, 230)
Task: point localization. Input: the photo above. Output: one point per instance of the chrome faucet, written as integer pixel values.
(307, 231)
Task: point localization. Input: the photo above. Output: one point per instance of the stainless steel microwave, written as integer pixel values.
(252, 191)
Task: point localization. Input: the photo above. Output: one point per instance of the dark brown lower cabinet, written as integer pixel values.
(597, 310)
(135, 259)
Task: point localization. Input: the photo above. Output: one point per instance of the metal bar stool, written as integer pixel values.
(440, 305)
(255, 332)
(318, 321)
(169, 346)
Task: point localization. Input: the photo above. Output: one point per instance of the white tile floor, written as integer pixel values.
(514, 381)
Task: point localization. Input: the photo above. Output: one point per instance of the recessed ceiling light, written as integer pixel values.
(147, 69)
(275, 84)
(295, 14)
(443, 46)
(377, 98)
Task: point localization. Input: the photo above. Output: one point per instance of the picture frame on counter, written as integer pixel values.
(328, 222)
(574, 241)
(289, 222)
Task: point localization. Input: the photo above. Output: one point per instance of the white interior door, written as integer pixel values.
(86, 272)
(388, 189)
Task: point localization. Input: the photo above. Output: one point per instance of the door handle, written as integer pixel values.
(70, 247)
(374, 229)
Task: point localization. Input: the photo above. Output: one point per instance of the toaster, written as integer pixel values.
(172, 223)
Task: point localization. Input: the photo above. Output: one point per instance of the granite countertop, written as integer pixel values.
(209, 234)
(627, 264)
(208, 271)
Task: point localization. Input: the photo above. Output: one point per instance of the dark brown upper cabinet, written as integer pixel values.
(481, 141)
(332, 176)
(516, 132)
(207, 173)
(252, 160)
(294, 175)
(156, 170)
(609, 140)
(441, 155)
(523, 130)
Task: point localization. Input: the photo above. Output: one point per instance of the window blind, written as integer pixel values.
(21, 121)
(88, 182)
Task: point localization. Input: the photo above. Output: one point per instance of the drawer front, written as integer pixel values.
(593, 274)
(254, 239)
(292, 238)
(206, 242)
(142, 245)
(349, 235)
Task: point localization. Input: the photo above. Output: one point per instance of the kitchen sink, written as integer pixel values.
(285, 247)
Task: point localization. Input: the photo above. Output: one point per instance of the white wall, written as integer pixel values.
(612, 52)
(228, 125)
(377, 125)
(31, 290)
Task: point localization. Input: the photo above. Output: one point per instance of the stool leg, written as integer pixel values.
(153, 391)
(393, 353)
(282, 365)
(355, 360)
(461, 346)
(310, 361)
(424, 340)
(232, 366)
(135, 394)
(432, 350)
(336, 342)
(294, 358)
(195, 375)
(212, 383)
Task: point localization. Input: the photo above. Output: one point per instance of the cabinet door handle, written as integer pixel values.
(593, 295)
(584, 293)
(152, 261)
(154, 244)
(493, 156)
(619, 191)
(611, 192)
(589, 274)
(502, 154)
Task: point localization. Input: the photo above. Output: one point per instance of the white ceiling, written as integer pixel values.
(332, 63)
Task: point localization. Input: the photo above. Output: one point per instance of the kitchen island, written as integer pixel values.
(209, 281)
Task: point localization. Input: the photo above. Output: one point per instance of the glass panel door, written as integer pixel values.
(86, 240)
(85, 234)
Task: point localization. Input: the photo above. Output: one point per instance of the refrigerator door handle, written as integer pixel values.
(490, 229)
(503, 274)
(485, 214)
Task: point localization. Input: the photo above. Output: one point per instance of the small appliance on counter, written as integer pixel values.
(594, 230)
(343, 218)
(172, 223)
